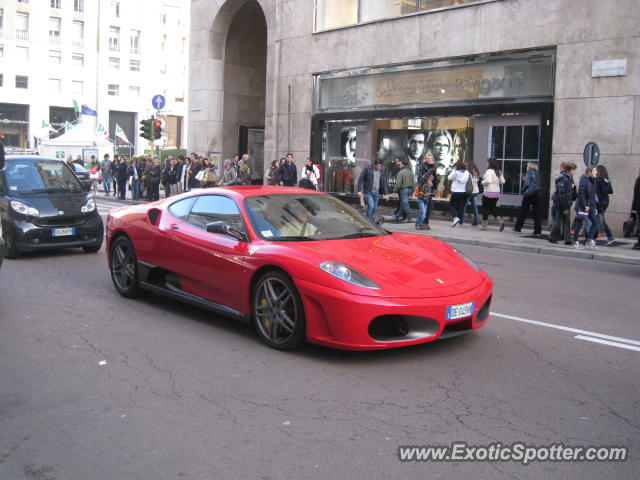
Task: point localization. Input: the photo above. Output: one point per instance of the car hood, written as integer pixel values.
(55, 205)
(403, 265)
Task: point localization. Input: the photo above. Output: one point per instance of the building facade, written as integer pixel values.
(113, 56)
(346, 81)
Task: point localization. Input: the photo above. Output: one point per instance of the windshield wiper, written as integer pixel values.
(357, 235)
(293, 238)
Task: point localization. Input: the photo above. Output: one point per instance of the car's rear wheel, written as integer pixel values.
(124, 268)
(278, 313)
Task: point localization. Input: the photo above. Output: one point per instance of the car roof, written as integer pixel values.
(32, 158)
(241, 192)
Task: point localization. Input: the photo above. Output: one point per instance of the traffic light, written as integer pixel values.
(145, 129)
(157, 129)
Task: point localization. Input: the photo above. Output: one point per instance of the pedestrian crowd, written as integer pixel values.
(589, 199)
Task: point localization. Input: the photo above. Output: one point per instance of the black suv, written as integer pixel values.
(43, 206)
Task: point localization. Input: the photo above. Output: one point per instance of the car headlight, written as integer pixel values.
(471, 263)
(348, 274)
(24, 209)
(90, 206)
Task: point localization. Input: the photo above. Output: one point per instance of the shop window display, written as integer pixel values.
(342, 161)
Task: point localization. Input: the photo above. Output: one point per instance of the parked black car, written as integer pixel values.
(83, 175)
(44, 206)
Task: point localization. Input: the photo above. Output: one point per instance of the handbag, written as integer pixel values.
(200, 175)
(469, 186)
(630, 226)
(582, 214)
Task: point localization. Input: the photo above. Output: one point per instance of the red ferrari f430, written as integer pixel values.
(301, 265)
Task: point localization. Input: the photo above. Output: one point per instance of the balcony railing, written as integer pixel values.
(54, 38)
(78, 43)
(22, 34)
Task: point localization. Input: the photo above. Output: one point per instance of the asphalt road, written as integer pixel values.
(95, 386)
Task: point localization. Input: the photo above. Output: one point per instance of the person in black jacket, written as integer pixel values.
(635, 208)
(371, 184)
(152, 176)
(288, 172)
(603, 190)
(121, 175)
(530, 199)
(562, 200)
(586, 208)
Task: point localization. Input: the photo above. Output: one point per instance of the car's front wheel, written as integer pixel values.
(278, 313)
(10, 250)
(124, 268)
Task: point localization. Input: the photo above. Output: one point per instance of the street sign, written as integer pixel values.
(158, 102)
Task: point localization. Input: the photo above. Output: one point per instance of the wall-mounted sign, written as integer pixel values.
(513, 76)
(609, 68)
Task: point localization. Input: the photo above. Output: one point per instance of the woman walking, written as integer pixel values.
(272, 173)
(586, 208)
(491, 181)
(458, 177)
(530, 198)
(424, 193)
(603, 190)
(472, 168)
(134, 175)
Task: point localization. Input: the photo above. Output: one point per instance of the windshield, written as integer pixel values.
(46, 176)
(300, 217)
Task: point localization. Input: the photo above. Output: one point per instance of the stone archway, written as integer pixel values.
(244, 85)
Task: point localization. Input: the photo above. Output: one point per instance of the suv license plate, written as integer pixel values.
(62, 232)
(460, 311)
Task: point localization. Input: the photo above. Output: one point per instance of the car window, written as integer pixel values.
(306, 217)
(181, 208)
(215, 208)
(47, 176)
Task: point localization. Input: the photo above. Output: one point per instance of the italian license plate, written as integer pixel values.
(460, 311)
(63, 232)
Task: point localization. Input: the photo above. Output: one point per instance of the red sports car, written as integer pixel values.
(301, 265)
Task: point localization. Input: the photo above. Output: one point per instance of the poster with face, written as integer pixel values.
(344, 158)
(446, 146)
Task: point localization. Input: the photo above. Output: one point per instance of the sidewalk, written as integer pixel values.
(619, 252)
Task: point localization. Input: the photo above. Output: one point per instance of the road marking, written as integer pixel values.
(568, 329)
(607, 342)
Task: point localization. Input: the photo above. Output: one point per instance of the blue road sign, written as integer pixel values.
(158, 102)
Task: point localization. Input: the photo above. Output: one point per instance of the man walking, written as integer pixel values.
(405, 181)
(372, 184)
(288, 172)
(106, 173)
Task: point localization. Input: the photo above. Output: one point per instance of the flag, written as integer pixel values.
(120, 134)
(87, 111)
(101, 131)
(76, 107)
(67, 126)
(45, 125)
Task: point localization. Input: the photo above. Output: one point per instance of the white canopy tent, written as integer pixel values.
(80, 140)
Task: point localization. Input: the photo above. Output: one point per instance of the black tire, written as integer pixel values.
(277, 312)
(123, 265)
(92, 248)
(10, 250)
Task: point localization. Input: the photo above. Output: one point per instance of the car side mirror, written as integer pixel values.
(224, 228)
(1, 155)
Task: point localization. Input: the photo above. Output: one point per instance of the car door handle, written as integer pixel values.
(175, 226)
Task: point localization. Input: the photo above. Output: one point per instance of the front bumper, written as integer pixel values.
(342, 320)
(31, 235)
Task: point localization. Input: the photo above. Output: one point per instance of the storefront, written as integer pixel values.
(470, 108)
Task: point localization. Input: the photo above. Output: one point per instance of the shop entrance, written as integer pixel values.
(514, 141)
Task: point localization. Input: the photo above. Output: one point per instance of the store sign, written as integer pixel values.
(415, 85)
(609, 68)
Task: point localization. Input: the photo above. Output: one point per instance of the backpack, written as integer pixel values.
(534, 185)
